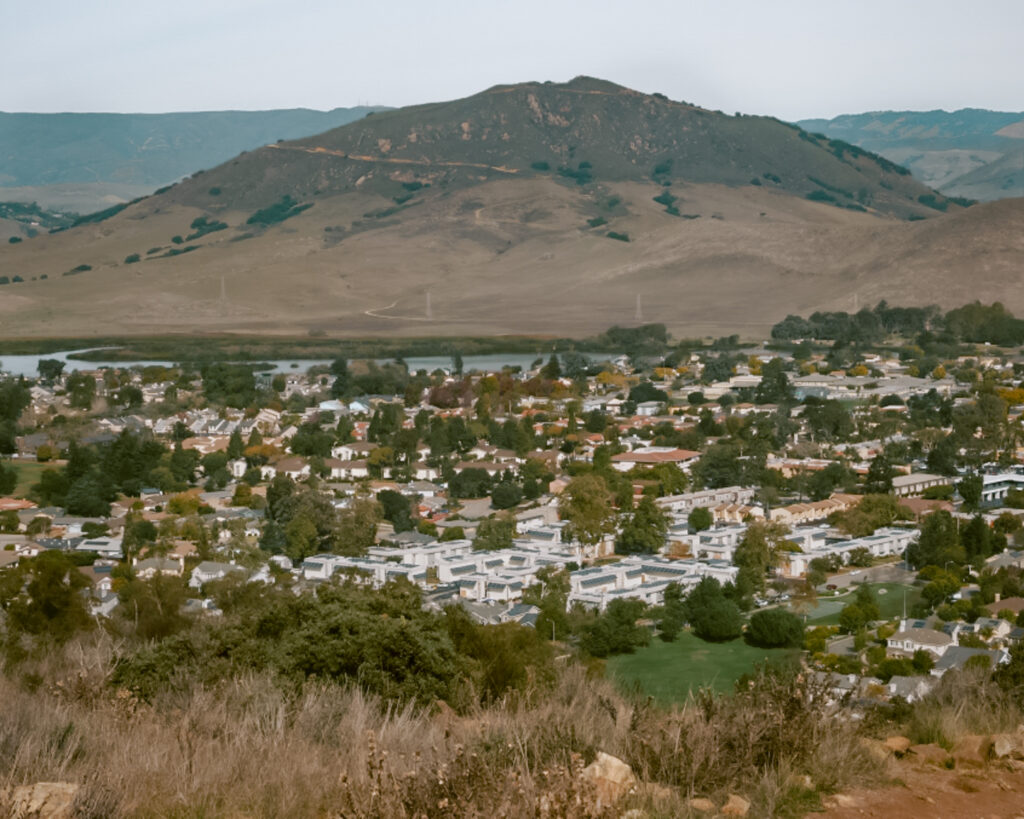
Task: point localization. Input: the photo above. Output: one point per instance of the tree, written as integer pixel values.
(644, 531)
(396, 508)
(472, 482)
(938, 544)
(711, 615)
(879, 478)
(236, 446)
(50, 369)
(356, 528)
(758, 551)
(673, 612)
(775, 628)
(970, 490)
(494, 533)
(154, 606)
(8, 479)
(870, 513)
(700, 519)
(43, 596)
(586, 504)
(615, 631)
(774, 387)
(81, 389)
(552, 370)
(506, 494)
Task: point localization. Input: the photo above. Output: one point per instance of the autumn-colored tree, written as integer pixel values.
(587, 504)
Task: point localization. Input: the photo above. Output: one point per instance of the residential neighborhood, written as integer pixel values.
(580, 483)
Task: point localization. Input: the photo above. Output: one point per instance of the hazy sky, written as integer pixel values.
(789, 58)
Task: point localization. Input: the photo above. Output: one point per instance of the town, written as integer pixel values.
(856, 503)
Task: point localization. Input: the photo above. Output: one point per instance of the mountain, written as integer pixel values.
(971, 153)
(140, 152)
(538, 208)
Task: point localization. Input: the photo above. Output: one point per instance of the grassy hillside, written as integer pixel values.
(143, 149)
(540, 209)
(972, 153)
(579, 133)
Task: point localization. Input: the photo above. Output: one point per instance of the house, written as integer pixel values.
(957, 657)
(916, 483)
(652, 456)
(914, 635)
(210, 570)
(145, 569)
(911, 689)
(108, 547)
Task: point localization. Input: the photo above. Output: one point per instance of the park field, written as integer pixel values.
(669, 672)
(889, 597)
(28, 474)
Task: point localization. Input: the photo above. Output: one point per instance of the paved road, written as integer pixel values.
(889, 573)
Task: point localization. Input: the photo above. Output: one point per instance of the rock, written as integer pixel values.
(735, 806)
(875, 748)
(702, 805)
(44, 800)
(897, 744)
(611, 777)
(1007, 746)
(930, 753)
(972, 751)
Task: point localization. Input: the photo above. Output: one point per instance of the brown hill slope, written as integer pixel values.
(445, 234)
(583, 131)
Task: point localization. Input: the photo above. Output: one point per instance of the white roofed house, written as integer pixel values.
(915, 635)
(210, 570)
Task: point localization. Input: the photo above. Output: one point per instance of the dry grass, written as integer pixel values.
(965, 703)
(248, 748)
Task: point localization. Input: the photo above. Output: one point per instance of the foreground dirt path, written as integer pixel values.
(922, 791)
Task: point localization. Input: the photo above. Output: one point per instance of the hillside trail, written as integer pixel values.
(320, 151)
(934, 793)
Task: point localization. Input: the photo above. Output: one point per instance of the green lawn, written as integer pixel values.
(28, 474)
(890, 603)
(669, 671)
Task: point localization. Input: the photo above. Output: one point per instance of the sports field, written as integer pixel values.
(670, 671)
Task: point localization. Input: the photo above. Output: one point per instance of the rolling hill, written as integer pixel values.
(91, 161)
(973, 153)
(537, 208)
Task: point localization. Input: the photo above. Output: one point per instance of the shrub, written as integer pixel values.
(99, 216)
(620, 237)
(775, 628)
(930, 201)
(215, 191)
(285, 208)
(132, 258)
(820, 196)
(541, 166)
(14, 240)
(201, 225)
(597, 221)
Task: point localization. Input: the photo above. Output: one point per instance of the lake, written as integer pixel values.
(27, 365)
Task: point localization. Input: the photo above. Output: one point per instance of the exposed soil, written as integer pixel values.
(921, 790)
